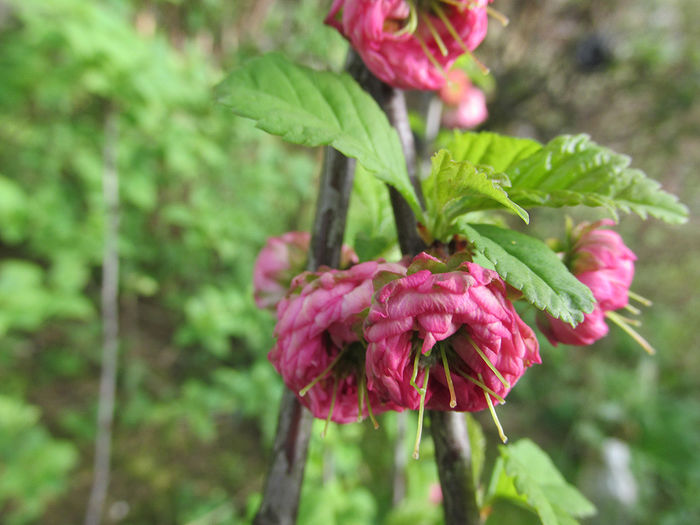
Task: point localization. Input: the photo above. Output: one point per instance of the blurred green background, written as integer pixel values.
(200, 192)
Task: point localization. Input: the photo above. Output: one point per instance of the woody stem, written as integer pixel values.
(280, 498)
(452, 450)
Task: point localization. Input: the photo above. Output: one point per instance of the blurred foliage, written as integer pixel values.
(201, 190)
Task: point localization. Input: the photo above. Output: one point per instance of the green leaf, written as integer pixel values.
(371, 228)
(452, 187)
(316, 108)
(491, 149)
(535, 478)
(530, 266)
(573, 170)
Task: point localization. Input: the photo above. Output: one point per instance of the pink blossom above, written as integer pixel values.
(454, 312)
(409, 56)
(317, 320)
(465, 105)
(279, 261)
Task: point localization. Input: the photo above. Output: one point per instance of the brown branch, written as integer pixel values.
(453, 457)
(452, 450)
(280, 501)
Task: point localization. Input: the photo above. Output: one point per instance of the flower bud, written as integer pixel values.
(601, 261)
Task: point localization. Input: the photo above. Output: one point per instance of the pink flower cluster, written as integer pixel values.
(364, 340)
(426, 333)
(409, 44)
(600, 260)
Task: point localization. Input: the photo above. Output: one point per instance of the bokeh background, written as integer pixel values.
(84, 81)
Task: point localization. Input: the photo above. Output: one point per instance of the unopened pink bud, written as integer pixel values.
(601, 261)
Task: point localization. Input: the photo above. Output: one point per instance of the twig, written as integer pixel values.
(399, 475)
(452, 450)
(453, 457)
(280, 501)
(110, 321)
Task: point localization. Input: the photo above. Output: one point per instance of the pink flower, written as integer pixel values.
(463, 315)
(317, 322)
(588, 331)
(407, 44)
(601, 261)
(465, 105)
(279, 261)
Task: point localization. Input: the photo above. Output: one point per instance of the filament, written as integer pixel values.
(619, 321)
(360, 397)
(450, 386)
(501, 434)
(323, 374)
(421, 410)
(482, 386)
(369, 406)
(430, 55)
(639, 298)
(330, 410)
(503, 19)
(489, 363)
(435, 34)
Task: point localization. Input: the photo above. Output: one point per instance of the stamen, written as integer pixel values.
(330, 410)
(451, 29)
(450, 386)
(632, 309)
(639, 298)
(360, 397)
(503, 19)
(619, 321)
(489, 363)
(435, 34)
(632, 322)
(414, 375)
(482, 386)
(430, 55)
(369, 407)
(412, 23)
(323, 374)
(421, 409)
(501, 434)
(457, 3)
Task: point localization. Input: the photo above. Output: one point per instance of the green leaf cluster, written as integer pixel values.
(570, 170)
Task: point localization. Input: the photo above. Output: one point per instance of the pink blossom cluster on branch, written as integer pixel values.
(436, 333)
